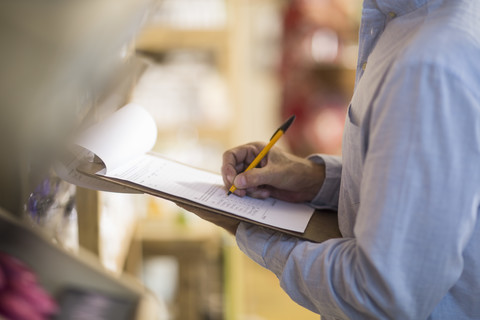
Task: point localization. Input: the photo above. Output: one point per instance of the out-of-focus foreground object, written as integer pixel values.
(59, 60)
(56, 59)
(21, 296)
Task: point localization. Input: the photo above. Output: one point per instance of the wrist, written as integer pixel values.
(309, 176)
(316, 176)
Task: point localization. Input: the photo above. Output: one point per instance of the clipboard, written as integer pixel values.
(322, 226)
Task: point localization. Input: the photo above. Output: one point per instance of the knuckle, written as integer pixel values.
(227, 155)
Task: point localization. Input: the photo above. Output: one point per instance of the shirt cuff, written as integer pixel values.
(327, 197)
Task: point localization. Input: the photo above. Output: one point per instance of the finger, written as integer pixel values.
(234, 161)
(258, 193)
(231, 166)
(264, 162)
(241, 193)
(254, 178)
(243, 153)
(286, 195)
(228, 168)
(240, 167)
(252, 153)
(228, 175)
(238, 154)
(237, 159)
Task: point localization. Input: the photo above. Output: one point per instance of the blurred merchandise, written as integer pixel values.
(317, 72)
(319, 98)
(182, 264)
(191, 14)
(320, 32)
(21, 296)
(51, 206)
(192, 116)
(77, 304)
(171, 91)
(118, 215)
(161, 276)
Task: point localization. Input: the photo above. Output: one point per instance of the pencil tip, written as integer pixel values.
(287, 123)
(229, 193)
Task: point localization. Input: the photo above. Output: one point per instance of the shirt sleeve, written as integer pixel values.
(418, 208)
(327, 197)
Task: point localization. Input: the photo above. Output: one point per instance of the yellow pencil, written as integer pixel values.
(276, 136)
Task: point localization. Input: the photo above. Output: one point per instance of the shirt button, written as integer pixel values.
(364, 65)
(392, 14)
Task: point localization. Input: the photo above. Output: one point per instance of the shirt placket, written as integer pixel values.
(372, 26)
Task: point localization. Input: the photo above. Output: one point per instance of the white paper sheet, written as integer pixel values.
(126, 134)
(66, 169)
(207, 188)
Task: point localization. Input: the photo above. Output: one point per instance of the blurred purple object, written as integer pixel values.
(14, 269)
(51, 206)
(21, 296)
(14, 307)
(42, 198)
(3, 279)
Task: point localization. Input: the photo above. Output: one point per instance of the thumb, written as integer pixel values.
(253, 178)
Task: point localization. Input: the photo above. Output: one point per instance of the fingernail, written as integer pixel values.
(230, 177)
(240, 181)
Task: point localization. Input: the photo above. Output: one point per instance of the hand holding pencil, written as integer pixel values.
(276, 136)
(261, 170)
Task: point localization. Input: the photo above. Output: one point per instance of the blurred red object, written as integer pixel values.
(320, 108)
(14, 307)
(3, 279)
(312, 74)
(21, 297)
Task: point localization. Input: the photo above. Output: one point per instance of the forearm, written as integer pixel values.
(308, 272)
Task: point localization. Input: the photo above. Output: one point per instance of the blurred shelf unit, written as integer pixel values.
(192, 14)
(191, 24)
(193, 289)
(159, 38)
(215, 34)
(215, 27)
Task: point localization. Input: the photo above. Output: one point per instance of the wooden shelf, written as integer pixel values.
(221, 135)
(198, 253)
(151, 229)
(58, 269)
(157, 38)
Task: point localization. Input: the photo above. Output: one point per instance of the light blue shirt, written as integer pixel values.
(408, 188)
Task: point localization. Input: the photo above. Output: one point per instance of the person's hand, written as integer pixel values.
(279, 175)
(227, 223)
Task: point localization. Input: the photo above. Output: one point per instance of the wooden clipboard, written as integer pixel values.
(322, 226)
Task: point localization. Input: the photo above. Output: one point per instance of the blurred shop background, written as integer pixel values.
(214, 74)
